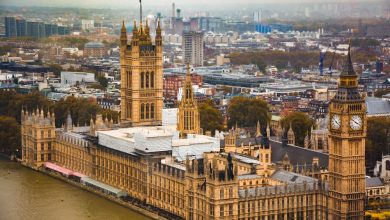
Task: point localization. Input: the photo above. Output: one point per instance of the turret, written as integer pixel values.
(268, 132)
(92, 129)
(307, 140)
(68, 123)
(135, 37)
(147, 31)
(123, 37)
(158, 34)
(258, 129)
(291, 135)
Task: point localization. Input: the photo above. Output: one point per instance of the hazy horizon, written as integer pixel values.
(165, 3)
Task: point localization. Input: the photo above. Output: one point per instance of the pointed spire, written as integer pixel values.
(348, 66)
(123, 37)
(158, 33)
(290, 130)
(158, 25)
(123, 29)
(268, 131)
(146, 26)
(258, 129)
(68, 123)
(135, 25)
(188, 73)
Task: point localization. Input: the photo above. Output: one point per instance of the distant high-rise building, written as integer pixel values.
(192, 46)
(173, 10)
(257, 16)
(87, 24)
(10, 26)
(19, 27)
(36, 29)
(178, 11)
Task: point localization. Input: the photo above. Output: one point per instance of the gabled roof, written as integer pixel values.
(297, 155)
(377, 106)
(373, 182)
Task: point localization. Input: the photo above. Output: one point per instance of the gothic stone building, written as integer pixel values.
(188, 175)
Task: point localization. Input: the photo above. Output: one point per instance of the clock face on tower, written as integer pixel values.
(356, 122)
(336, 122)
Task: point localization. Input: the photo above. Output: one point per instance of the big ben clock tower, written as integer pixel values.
(347, 133)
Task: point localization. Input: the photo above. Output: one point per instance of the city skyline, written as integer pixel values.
(151, 4)
(196, 110)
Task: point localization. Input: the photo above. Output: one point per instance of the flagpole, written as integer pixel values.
(140, 10)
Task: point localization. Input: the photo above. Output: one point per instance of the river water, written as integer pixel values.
(29, 195)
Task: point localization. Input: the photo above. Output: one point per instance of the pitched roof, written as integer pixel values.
(373, 182)
(297, 155)
(377, 106)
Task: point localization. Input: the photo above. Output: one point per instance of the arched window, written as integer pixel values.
(152, 111)
(147, 109)
(188, 94)
(147, 80)
(142, 111)
(142, 79)
(152, 79)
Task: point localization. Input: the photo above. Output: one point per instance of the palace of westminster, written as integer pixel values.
(174, 167)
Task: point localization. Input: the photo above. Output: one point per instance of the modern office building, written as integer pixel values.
(266, 28)
(19, 27)
(10, 26)
(192, 46)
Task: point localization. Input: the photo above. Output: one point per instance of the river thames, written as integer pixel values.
(29, 195)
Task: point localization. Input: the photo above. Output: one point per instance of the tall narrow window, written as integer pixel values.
(152, 111)
(142, 80)
(142, 111)
(147, 80)
(147, 111)
(152, 80)
(188, 94)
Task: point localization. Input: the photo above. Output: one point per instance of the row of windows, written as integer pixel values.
(147, 80)
(147, 111)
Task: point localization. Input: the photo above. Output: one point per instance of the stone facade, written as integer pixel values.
(208, 183)
(188, 115)
(141, 77)
(347, 133)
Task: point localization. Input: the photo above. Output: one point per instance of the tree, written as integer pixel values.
(245, 112)
(11, 103)
(110, 114)
(260, 64)
(56, 69)
(301, 124)
(378, 130)
(96, 86)
(380, 92)
(9, 135)
(81, 110)
(103, 81)
(210, 117)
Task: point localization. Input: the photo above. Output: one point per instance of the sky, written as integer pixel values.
(154, 3)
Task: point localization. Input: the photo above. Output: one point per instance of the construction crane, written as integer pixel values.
(331, 63)
(321, 65)
(322, 58)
